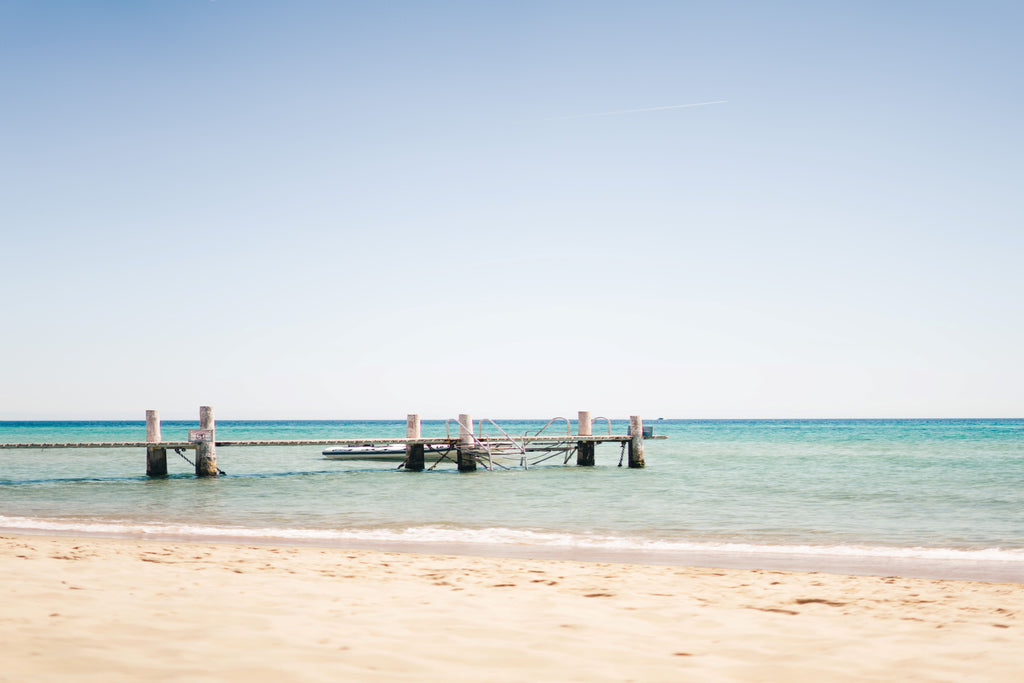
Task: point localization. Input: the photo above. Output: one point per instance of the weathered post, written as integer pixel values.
(206, 450)
(156, 457)
(636, 441)
(584, 449)
(464, 452)
(413, 451)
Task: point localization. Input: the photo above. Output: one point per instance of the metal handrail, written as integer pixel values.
(476, 441)
(568, 426)
(487, 443)
(606, 420)
(480, 430)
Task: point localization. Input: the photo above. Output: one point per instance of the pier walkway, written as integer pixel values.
(489, 446)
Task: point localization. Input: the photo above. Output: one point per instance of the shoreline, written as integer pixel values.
(992, 571)
(130, 609)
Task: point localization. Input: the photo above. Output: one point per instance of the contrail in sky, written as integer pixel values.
(634, 111)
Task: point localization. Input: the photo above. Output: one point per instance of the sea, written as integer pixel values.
(923, 498)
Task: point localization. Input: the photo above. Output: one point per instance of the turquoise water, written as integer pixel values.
(840, 491)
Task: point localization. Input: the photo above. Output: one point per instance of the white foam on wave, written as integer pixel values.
(505, 536)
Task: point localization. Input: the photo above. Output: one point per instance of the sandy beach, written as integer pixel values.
(130, 610)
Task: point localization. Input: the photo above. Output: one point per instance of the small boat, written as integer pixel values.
(366, 451)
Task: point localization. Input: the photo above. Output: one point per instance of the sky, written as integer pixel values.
(344, 210)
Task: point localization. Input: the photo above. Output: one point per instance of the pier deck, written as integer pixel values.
(427, 441)
(488, 450)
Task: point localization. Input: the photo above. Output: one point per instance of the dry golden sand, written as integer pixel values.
(126, 610)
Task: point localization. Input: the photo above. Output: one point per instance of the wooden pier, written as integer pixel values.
(471, 449)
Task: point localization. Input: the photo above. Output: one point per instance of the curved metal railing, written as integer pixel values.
(606, 420)
(568, 426)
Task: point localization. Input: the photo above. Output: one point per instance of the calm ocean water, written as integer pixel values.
(926, 497)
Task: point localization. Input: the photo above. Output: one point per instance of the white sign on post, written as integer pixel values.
(200, 435)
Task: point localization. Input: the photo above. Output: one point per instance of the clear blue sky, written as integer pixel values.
(361, 209)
